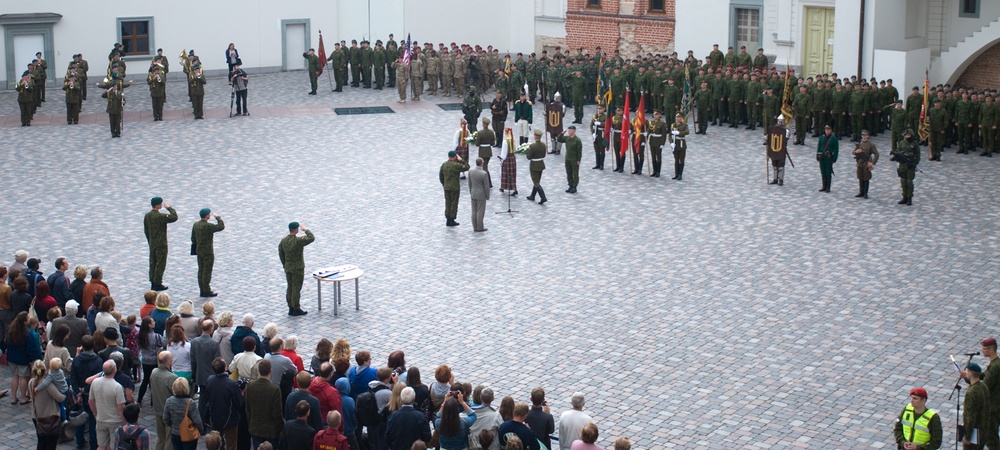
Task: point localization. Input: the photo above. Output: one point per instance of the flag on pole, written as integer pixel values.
(925, 124)
(640, 121)
(506, 65)
(607, 119)
(407, 53)
(600, 65)
(786, 97)
(686, 99)
(625, 125)
(322, 55)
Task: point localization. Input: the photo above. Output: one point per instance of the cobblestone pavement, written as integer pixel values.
(714, 312)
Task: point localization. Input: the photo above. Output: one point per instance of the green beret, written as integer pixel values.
(452, 154)
(538, 132)
(293, 225)
(908, 131)
(571, 127)
(204, 212)
(191, 53)
(156, 201)
(973, 367)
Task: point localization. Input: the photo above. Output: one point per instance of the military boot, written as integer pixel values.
(677, 169)
(861, 189)
(680, 171)
(541, 193)
(531, 197)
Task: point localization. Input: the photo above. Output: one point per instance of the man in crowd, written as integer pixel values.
(224, 403)
(571, 422)
(918, 427)
(107, 400)
(479, 191)
(204, 350)
(161, 383)
(406, 425)
(264, 414)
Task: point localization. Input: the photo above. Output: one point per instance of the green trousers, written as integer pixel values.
(294, 291)
(205, 264)
(906, 174)
(451, 204)
(157, 263)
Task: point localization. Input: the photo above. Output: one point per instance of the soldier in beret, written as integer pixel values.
(449, 176)
(918, 427)
(154, 225)
(73, 98)
(202, 235)
(574, 153)
(290, 254)
(977, 412)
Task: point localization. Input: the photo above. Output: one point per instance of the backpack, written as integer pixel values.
(366, 407)
(130, 440)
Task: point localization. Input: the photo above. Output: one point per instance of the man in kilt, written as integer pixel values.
(461, 144)
(508, 168)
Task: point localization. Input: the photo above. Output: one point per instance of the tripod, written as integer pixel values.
(959, 429)
(232, 97)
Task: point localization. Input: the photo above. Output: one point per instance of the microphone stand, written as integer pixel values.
(959, 429)
(509, 211)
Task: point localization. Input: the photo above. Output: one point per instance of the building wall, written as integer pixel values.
(959, 28)
(700, 24)
(624, 25)
(984, 71)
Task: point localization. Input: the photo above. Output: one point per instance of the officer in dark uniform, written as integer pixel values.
(656, 130)
(597, 124)
(536, 156)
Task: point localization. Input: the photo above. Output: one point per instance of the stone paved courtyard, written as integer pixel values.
(715, 312)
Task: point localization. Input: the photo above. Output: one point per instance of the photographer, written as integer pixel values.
(239, 79)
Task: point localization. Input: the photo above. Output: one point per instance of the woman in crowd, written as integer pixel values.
(105, 319)
(292, 343)
(150, 343)
(189, 322)
(208, 313)
(443, 378)
(161, 313)
(20, 299)
(587, 438)
(6, 309)
(397, 362)
(46, 407)
(23, 349)
(76, 287)
(178, 347)
(422, 394)
(454, 430)
(270, 332)
(175, 409)
(43, 301)
(506, 408)
(57, 347)
(222, 335)
(342, 349)
(322, 354)
(395, 399)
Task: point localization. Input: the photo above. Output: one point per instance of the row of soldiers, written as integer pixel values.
(31, 89)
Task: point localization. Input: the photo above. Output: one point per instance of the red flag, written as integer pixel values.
(626, 126)
(640, 121)
(322, 55)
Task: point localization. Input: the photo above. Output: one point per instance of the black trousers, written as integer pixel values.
(241, 98)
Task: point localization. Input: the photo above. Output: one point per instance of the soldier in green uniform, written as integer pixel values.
(367, 60)
(574, 153)
(290, 254)
(617, 81)
(939, 123)
(819, 108)
(977, 105)
(313, 69)
(737, 94)
(531, 77)
(449, 176)
(536, 156)
(913, 105)
(907, 154)
(963, 121)
(678, 143)
(577, 85)
(715, 57)
(154, 225)
(401, 70)
(433, 69)
(988, 117)
(801, 107)
(73, 100)
(42, 68)
(838, 109)
(827, 150)
(760, 61)
(354, 54)
(771, 108)
(977, 412)
(116, 102)
(157, 82)
(917, 426)
(671, 97)
(857, 112)
(866, 156)
(459, 68)
(752, 98)
(485, 139)
(472, 107)
(379, 62)
(597, 124)
(391, 53)
(897, 121)
(720, 98)
(992, 381)
(416, 76)
(656, 130)
(743, 59)
(198, 93)
(202, 236)
(703, 101)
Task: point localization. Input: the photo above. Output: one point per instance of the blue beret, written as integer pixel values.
(204, 212)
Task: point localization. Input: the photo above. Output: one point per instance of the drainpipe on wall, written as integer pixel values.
(861, 39)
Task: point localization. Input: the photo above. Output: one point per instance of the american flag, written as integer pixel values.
(406, 51)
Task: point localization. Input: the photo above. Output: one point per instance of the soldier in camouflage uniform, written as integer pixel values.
(401, 70)
(366, 64)
(472, 107)
(988, 117)
(977, 412)
(313, 70)
(458, 74)
(939, 121)
(897, 121)
(802, 106)
(963, 121)
(290, 253)
(379, 62)
(448, 176)
(907, 154)
(433, 69)
(354, 57)
(446, 73)
(202, 235)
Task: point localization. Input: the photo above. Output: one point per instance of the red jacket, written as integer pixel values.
(330, 440)
(329, 398)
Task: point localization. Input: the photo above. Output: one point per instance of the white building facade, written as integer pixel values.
(270, 36)
(885, 39)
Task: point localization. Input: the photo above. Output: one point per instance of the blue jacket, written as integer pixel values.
(59, 288)
(28, 352)
(315, 421)
(360, 380)
(460, 440)
(84, 365)
(160, 317)
(347, 404)
(224, 401)
(236, 341)
(407, 425)
(33, 276)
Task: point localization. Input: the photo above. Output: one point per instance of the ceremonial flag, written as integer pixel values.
(640, 121)
(786, 97)
(506, 65)
(625, 125)
(686, 99)
(322, 54)
(607, 117)
(925, 124)
(407, 52)
(600, 66)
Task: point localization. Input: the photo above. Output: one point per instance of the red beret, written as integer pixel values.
(919, 392)
(989, 342)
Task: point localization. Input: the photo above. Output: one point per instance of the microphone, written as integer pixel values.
(972, 354)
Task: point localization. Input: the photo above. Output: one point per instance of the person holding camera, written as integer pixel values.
(239, 79)
(453, 429)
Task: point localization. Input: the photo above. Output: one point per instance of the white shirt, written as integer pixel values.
(571, 425)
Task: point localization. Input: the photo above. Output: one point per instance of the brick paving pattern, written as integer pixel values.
(715, 312)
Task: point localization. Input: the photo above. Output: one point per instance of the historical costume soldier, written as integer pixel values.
(73, 99)
(116, 102)
(202, 234)
(508, 165)
(827, 151)
(574, 153)
(536, 154)
(597, 124)
(938, 118)
(198, 93)
(498, 109)
(401, 69)
(157, 82)
(678, 143)
(918, 427)
(485, 138)
(449, 176)
(313, 69)
(554, 113)
(26, 98)
(472, 107)
(656, 130)
(777, 149)
(907, 154)
(290, 254)
(616, 142)
(866, 156)
(154, 225)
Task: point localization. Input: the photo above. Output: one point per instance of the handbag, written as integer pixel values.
(47, 426)
(32, 314)
(189, 432)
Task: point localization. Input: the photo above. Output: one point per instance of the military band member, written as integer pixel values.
(73, 99)
(574, 153)
(157, 91)
(116, 102)
(656, 130)
(827, 150)
(536, 156)
(198, 93)
(597, 124)
(777, 148)
(678, 143)
(866, 156)
(907, 154)
(313, 69)
(202, 245)
(42, 76)
(485, 138)
(616, 139)
(448, 175)
(290, 253)
(522, 118)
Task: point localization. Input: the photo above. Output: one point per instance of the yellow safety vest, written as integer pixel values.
(917, 433)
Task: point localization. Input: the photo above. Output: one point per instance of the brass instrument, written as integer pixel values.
(186, 64)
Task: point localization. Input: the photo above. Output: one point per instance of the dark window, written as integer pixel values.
(135, 37)
(968, 8)
(593, 3)
(656, 5)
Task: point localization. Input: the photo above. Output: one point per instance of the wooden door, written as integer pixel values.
(818, 46)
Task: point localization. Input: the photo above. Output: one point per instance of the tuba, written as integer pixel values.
(186, 64)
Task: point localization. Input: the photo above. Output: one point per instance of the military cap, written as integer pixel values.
(864, 132)
(899, 100)
(916, 88)
(486, 120)
(204, 212)
(293, 225)
(656, 111)
(539, 132)
(191, 52)
(919, 392)
(743, 46)
(937, 100)
(973, 367)
(908, 131)
(156, 201)
(159, 49)
(730, 47)
(679, 115)
(26, 73)
(571, 127)
(989, 342)
(828, 127)
(34, 61)
(354, 41)
(311, 50)
(378, 42)
(114, 75)
(451, 154)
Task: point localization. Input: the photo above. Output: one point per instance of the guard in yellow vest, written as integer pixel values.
(917, 427)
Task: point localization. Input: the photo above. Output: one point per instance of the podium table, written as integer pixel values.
(338, 275)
